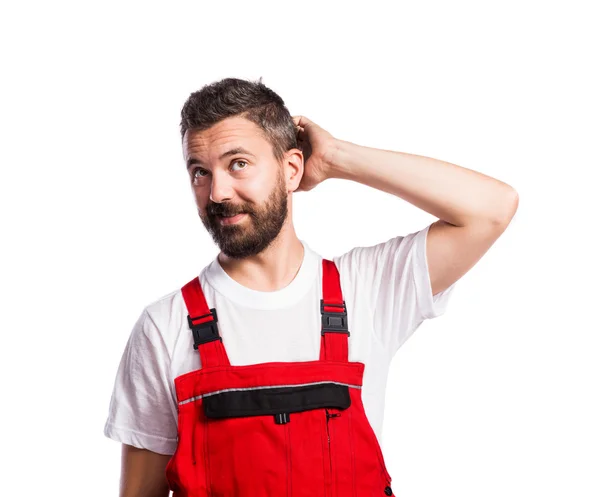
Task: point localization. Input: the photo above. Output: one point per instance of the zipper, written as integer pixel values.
(329, 415)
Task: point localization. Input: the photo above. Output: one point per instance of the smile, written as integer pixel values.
(231, 220)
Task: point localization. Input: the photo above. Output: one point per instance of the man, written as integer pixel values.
(245, 156)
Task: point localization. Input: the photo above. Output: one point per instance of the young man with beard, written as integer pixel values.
(245, 157)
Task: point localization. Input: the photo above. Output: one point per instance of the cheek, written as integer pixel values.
(253, 190)
(201, 197)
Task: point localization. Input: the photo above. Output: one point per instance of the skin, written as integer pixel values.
(473, 209)
(143, 473)
(262, 250)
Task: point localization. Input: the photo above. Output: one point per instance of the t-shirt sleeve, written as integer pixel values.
(394, 277)
(142, 410)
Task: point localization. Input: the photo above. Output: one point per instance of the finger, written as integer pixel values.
(302, 121)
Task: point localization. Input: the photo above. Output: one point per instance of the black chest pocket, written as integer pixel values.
(275, 400)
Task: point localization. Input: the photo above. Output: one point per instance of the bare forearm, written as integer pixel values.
(450, 192)
(143, 473)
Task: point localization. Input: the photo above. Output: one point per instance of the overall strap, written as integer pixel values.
(334, 317)
(203, 323)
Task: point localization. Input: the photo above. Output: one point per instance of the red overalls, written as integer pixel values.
(275, 429)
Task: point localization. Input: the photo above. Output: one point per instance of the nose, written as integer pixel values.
(220, 188)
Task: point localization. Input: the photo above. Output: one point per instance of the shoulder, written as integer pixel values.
(396, 251)
(163, 319)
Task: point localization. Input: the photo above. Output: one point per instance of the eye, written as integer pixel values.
(194, 175)
(199, 173)
(242, 161)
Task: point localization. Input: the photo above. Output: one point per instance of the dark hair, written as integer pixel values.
(249, 99)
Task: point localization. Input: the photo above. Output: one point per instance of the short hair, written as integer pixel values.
(249, 99)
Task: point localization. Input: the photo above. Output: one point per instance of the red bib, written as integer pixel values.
(275, 429)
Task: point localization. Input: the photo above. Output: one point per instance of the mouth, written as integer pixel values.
(231, 219)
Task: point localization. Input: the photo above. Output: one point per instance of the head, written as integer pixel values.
(239, 145)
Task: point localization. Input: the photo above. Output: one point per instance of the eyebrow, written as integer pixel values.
(237, 150)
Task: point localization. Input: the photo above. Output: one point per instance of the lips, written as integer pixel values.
(231, 219)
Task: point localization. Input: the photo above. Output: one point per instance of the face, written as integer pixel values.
(233, 172)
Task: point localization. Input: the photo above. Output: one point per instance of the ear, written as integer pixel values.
(293, 168)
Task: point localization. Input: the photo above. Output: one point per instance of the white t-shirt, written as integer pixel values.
(388, 295)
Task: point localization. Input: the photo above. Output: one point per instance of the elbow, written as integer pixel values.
(508, 209)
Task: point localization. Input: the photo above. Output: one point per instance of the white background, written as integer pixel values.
(498, 397)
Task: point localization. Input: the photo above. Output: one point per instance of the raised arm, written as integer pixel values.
(473, 209)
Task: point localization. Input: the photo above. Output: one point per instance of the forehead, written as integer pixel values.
(226, 134)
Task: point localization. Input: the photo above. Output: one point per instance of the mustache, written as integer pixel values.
(224, 210)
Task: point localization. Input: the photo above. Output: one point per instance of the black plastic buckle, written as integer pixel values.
(204, 332)
(334, 322)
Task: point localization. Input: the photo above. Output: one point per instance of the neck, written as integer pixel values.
(272, 269)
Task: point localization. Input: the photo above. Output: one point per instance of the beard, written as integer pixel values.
(256, 231)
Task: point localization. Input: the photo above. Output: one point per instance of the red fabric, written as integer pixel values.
(324, 452)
